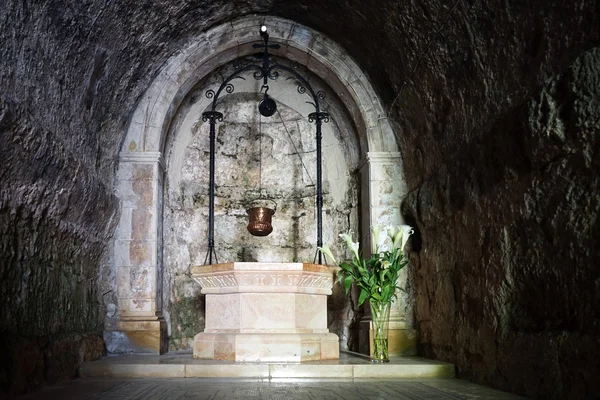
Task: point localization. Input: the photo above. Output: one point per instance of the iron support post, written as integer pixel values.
(212, 117)
(319, 118)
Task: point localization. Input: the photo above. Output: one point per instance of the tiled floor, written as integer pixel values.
(216, 389)
(177, 376)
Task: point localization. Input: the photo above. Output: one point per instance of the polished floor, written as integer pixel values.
(178, 376)
(285, 389)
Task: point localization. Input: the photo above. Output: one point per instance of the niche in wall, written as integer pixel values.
(275, 154)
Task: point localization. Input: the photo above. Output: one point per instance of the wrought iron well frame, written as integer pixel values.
(266, 71)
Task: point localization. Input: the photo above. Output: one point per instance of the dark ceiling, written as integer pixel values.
(430, 61)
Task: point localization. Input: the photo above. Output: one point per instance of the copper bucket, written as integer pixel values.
(260, 221)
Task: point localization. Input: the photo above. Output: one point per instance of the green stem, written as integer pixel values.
(380, 315)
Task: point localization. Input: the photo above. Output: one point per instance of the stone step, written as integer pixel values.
(182, 365)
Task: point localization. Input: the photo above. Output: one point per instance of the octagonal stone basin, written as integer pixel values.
(265, 312)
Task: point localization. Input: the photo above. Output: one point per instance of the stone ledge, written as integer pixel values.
(348, 366)
(252, 277)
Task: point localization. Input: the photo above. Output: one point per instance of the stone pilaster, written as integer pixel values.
(383, 191)
(138, 252)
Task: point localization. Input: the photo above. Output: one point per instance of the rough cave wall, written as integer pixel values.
(284, 177)
(506, 266)
(56, 209)
(53, 236)
(458, 78)
(54, 227)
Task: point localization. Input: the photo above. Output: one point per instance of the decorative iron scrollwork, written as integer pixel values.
(273, 75)
(318, 117)
(299, 86)
(212, 116)
(258, 75)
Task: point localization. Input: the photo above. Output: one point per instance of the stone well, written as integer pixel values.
(265, 312)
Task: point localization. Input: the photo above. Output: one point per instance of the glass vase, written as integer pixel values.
(380, 314)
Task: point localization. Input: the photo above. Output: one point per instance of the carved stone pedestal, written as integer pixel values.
(265, 312)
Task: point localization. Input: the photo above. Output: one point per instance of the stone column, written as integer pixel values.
(383, 191)
(138, 256)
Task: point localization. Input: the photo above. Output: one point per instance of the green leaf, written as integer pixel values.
(363, 295)
(371, 280)
(385, 292)
(347, 283)
(346, 267)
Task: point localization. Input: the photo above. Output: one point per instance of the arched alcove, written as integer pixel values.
(138, 256)
(276, 154)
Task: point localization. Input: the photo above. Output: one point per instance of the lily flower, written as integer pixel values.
(354, 247)
(407, 230)
(395, 235)
(375, 231)
(347, 238)
(391, 232)
(326, 251)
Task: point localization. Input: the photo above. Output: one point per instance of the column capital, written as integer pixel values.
(383, 156)
(149, 157)
(380, 157)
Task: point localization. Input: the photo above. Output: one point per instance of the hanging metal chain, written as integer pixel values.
(260, 135)
(295, 148)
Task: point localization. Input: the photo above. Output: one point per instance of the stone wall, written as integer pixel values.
(260, 161)
(505, 264)
(56, 206)
(54, 227)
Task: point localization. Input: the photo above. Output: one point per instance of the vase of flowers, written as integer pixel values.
(376, 277)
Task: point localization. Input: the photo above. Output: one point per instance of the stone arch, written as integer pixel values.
(137, 249)
(224, 43)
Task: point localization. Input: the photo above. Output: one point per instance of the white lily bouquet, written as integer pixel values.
(376, 276)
